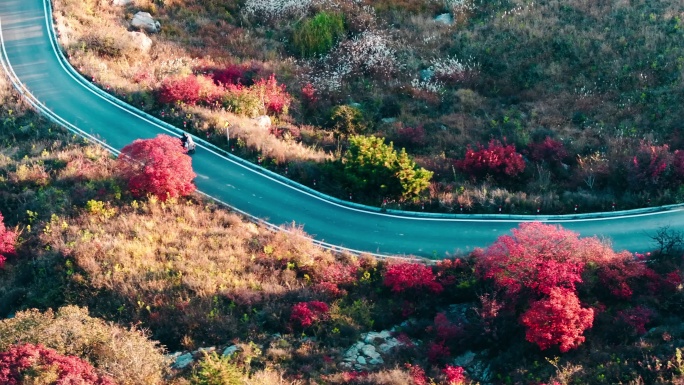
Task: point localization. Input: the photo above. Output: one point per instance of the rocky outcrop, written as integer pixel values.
(368, 352)
(140, 41)
(263, 122)
(445, 19)
(144, 21)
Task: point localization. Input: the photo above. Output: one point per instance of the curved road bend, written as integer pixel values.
(32, 57)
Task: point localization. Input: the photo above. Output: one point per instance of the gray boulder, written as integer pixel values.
(263, 121)
(445, 19)
(140, 41)
(144, 21)
(120, 3)
(182, 361)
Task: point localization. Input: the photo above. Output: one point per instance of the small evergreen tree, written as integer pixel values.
(373, 167)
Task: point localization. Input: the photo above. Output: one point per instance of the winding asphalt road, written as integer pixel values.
(30, 51)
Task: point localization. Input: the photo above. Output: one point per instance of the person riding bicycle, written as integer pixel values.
(187, 142)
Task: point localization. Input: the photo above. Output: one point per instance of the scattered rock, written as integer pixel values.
(204, 350)
(465, 359)
(144, 21)
(389, 120)
(263, 121)
(182, 361)
(445, 19)
(141, 41)
(230, 350)
(426, 74)
(367, 352)
(480, 371)
(119, 3)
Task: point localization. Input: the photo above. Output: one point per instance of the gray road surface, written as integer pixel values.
(33, 59)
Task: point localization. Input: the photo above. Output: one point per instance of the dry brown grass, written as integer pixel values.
(126, 355)
(184, 269)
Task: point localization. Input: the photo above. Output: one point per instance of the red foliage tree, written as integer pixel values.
(276, 99)
(636, 317)
(305, 314)
(455, 375)
(445, 330)
(678, 165)
(557, 320)
(496, 159)
(309, 94)
(180, 89)
(157, 166)
(649, 166)
(232, 74)
(23, 363)
(411, 276)
(538, 257)
(8, 239)
(621, 273)
(410, 137)
(550, 150)
(437, 352)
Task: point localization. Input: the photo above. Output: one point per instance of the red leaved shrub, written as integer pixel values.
(496, 159)
(437, 352)
(550, 151)
(557, 320)
(232, 74)
(309, 94)
(305, 314)
(417, 374)
(180, 89)
(8, 239)
(157, 166)
(636, 317)
(28, 363)
(410, 137)
(276, 99)
(621, 273)
(411, 276)
(455, 375)
(444, 329)
(537, 257)
(649, 166)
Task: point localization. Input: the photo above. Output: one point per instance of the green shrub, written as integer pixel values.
(244, 103)
(215, 370)
(319, 34)
(347, 120)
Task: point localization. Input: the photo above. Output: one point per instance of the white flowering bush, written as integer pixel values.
(451, 68)
(276, 9)
(330, 79)
(457, 5)
(370, 52)
(431, 85)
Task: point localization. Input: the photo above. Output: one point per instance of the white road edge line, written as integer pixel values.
(140, 115)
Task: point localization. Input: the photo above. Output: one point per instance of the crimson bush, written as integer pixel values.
(498, 160)
(305, 314)
(180, 89)
(28, 363)
(8, 240)
(158, 167)
(557, 320)
(411, 276)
